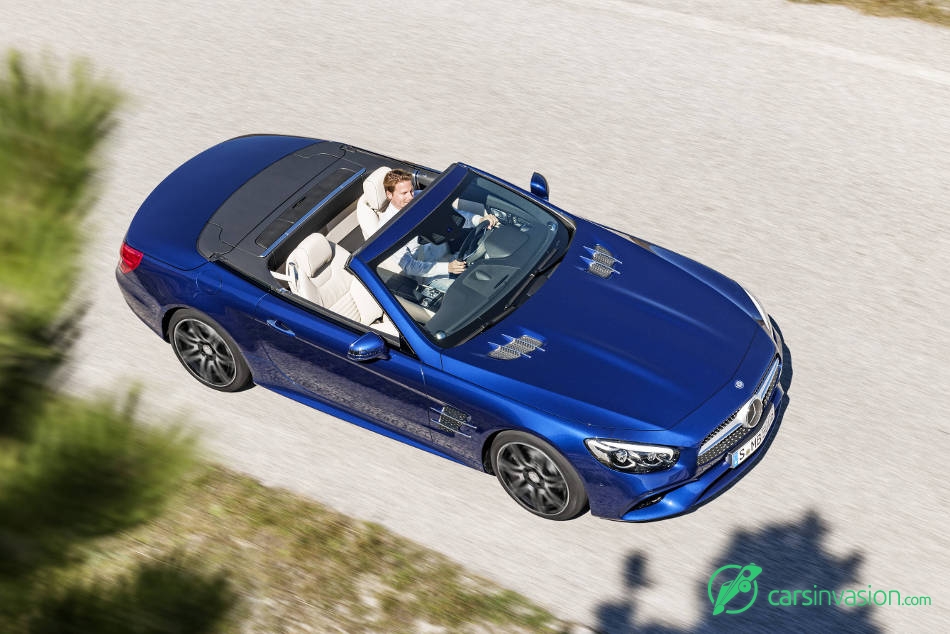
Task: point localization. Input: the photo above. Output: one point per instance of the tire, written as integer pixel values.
(208, 352)
(537, 476)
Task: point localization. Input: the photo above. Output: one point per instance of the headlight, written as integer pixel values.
(766, 322)
(625, 456)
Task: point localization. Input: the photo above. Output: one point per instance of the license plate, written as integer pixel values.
(739, 456)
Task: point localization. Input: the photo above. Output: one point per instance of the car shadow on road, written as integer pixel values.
(792, 557)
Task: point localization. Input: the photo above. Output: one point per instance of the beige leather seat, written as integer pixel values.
(372, 202)
(316, 272)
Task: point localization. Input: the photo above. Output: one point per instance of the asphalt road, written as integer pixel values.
(804, 151)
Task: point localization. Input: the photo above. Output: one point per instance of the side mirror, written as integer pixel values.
(367, 348)
(539, 186)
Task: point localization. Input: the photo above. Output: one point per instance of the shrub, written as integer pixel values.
(90, 469)
(157, 598)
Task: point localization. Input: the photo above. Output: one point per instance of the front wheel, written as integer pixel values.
(537, 476)
(208, 352)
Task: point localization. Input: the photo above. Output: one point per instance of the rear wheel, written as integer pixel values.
(207, 351)
(537, 476)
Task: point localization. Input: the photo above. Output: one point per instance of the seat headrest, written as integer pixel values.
(373, 191)
(312, 254)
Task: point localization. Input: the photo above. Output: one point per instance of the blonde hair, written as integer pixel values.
(394, 177)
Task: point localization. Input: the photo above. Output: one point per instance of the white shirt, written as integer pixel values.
(423, 260)
(386, 215)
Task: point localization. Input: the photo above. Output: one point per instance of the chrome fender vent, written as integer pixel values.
(601, 262)
(523, 346)
(452, 420)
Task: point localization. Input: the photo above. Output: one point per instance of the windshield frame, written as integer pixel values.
(455, 181)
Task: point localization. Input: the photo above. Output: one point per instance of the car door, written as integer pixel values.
(310, 348)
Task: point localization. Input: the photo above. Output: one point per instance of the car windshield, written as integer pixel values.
(505, 260)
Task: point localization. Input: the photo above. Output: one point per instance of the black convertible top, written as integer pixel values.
(301, 192)
(255, 201)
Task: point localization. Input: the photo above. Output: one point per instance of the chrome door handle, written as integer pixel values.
(278, 326)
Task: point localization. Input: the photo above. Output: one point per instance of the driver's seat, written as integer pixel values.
(372, 202)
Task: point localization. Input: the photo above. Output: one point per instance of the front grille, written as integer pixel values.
(724, 445)
(730, 432)
(723, 425)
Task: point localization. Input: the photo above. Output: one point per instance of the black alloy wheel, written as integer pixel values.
(537, 476)
(207, 351)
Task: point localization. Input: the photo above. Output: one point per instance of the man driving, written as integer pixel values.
(430, 264)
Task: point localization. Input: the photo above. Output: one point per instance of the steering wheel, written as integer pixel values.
(473, 241)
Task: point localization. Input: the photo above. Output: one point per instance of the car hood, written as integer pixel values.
(643, 348)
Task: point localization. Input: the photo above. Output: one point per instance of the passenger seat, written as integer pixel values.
(317, 273)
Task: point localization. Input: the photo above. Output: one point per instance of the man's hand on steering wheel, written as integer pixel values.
(492, 219)
(474, 239)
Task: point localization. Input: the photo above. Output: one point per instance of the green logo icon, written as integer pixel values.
(731, 586)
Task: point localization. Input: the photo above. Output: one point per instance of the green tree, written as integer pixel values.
(71, 469)
(49, 132)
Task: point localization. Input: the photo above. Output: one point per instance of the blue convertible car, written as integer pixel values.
(584, 367)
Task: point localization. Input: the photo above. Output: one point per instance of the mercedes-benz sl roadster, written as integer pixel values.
(584, 367)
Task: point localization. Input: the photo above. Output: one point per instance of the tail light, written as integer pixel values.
(129, 258)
